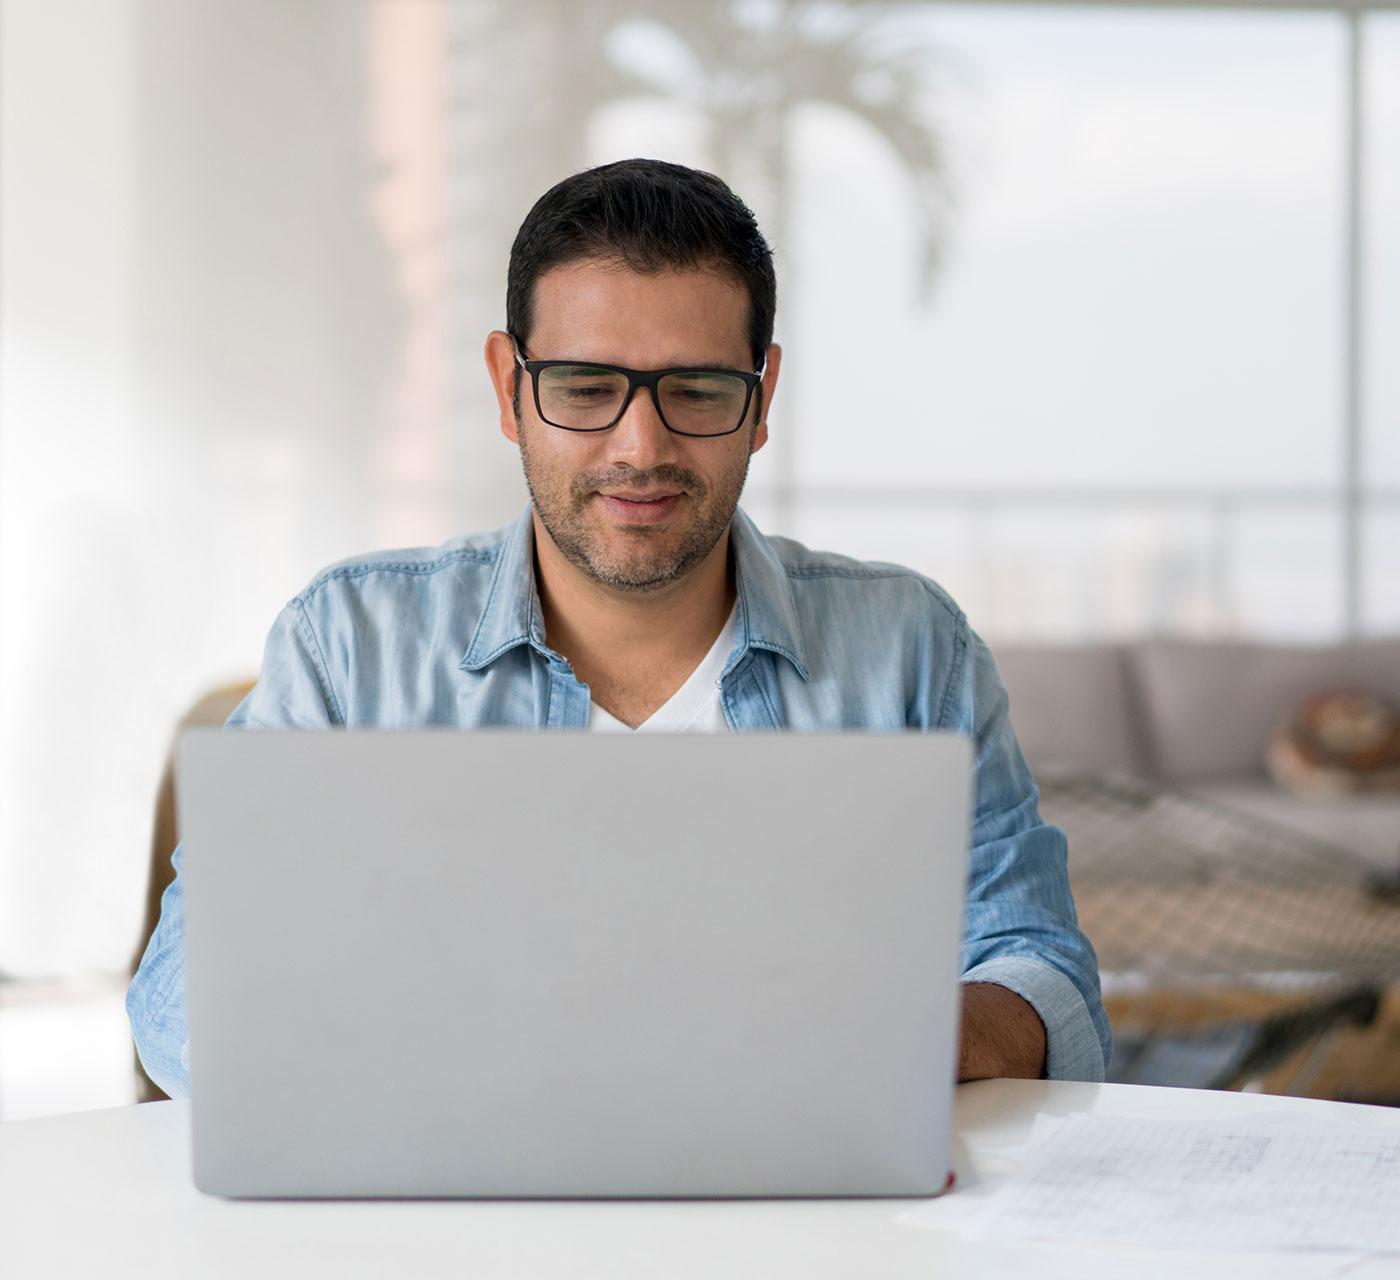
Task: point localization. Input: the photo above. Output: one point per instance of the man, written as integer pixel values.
(635, 374)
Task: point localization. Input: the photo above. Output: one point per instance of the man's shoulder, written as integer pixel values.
(879, 644)
(459, 562)
(829, 578)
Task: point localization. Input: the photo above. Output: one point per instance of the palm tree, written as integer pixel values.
(746, 69)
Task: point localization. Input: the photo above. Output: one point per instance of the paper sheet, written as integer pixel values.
(1263, 1183)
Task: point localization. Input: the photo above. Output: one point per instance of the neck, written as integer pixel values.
(614, 638)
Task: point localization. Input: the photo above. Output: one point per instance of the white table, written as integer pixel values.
(108, 1193)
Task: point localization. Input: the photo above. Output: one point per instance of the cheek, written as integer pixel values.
(721, 472)
(557, 455)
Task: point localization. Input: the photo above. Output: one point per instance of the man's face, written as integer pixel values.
(635, 507)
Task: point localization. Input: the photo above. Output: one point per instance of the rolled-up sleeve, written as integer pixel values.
(1021, 931)
(293, 691)
(155, 1000)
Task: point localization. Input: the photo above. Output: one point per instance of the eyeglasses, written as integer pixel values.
(576, 396)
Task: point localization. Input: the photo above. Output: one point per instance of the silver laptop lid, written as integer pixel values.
(548, 964)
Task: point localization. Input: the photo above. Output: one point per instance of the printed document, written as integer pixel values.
(1276, 1183)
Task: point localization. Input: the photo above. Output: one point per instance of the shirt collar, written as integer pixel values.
(766, 615)
(512, 615)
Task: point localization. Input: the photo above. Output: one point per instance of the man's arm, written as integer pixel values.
(293, 692)
(1021, 932)
(1002, 1035)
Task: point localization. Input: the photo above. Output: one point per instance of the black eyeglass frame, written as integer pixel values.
(649, 378)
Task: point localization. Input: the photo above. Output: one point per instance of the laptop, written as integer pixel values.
(550, 964)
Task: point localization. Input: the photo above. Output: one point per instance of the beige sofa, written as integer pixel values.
(1196, 715)
(1193, 718)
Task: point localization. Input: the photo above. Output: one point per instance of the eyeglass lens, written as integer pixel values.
(588, 398)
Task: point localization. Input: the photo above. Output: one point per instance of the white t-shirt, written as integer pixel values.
(693, 708)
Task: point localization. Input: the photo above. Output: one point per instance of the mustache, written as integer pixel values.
(668, 475)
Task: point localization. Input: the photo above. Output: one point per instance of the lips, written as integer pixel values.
(640, 508)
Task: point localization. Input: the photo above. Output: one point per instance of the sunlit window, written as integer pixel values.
(1381, 454)
(1116, 406)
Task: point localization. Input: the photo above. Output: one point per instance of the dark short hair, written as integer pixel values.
(652, 216)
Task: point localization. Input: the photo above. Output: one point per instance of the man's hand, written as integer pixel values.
(1001, 1035)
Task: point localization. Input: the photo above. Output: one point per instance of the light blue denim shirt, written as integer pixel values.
(453, 635)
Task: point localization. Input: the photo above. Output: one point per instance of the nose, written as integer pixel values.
(640, 438)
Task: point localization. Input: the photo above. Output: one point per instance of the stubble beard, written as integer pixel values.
(563, 506)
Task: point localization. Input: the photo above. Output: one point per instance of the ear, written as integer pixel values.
(501, 366)
(770, 386)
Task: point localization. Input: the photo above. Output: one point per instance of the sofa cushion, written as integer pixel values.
(1072, 706)
(1210, 706)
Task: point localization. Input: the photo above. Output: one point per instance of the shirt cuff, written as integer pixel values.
(1072, 1047)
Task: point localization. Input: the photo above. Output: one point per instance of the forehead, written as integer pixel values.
(604, 310)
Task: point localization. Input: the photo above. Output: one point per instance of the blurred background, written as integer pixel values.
(1090, 312)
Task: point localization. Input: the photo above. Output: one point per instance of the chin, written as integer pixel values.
(631, 576)
(628, 573)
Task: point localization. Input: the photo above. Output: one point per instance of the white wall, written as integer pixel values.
(70, 481)
(215, 341)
